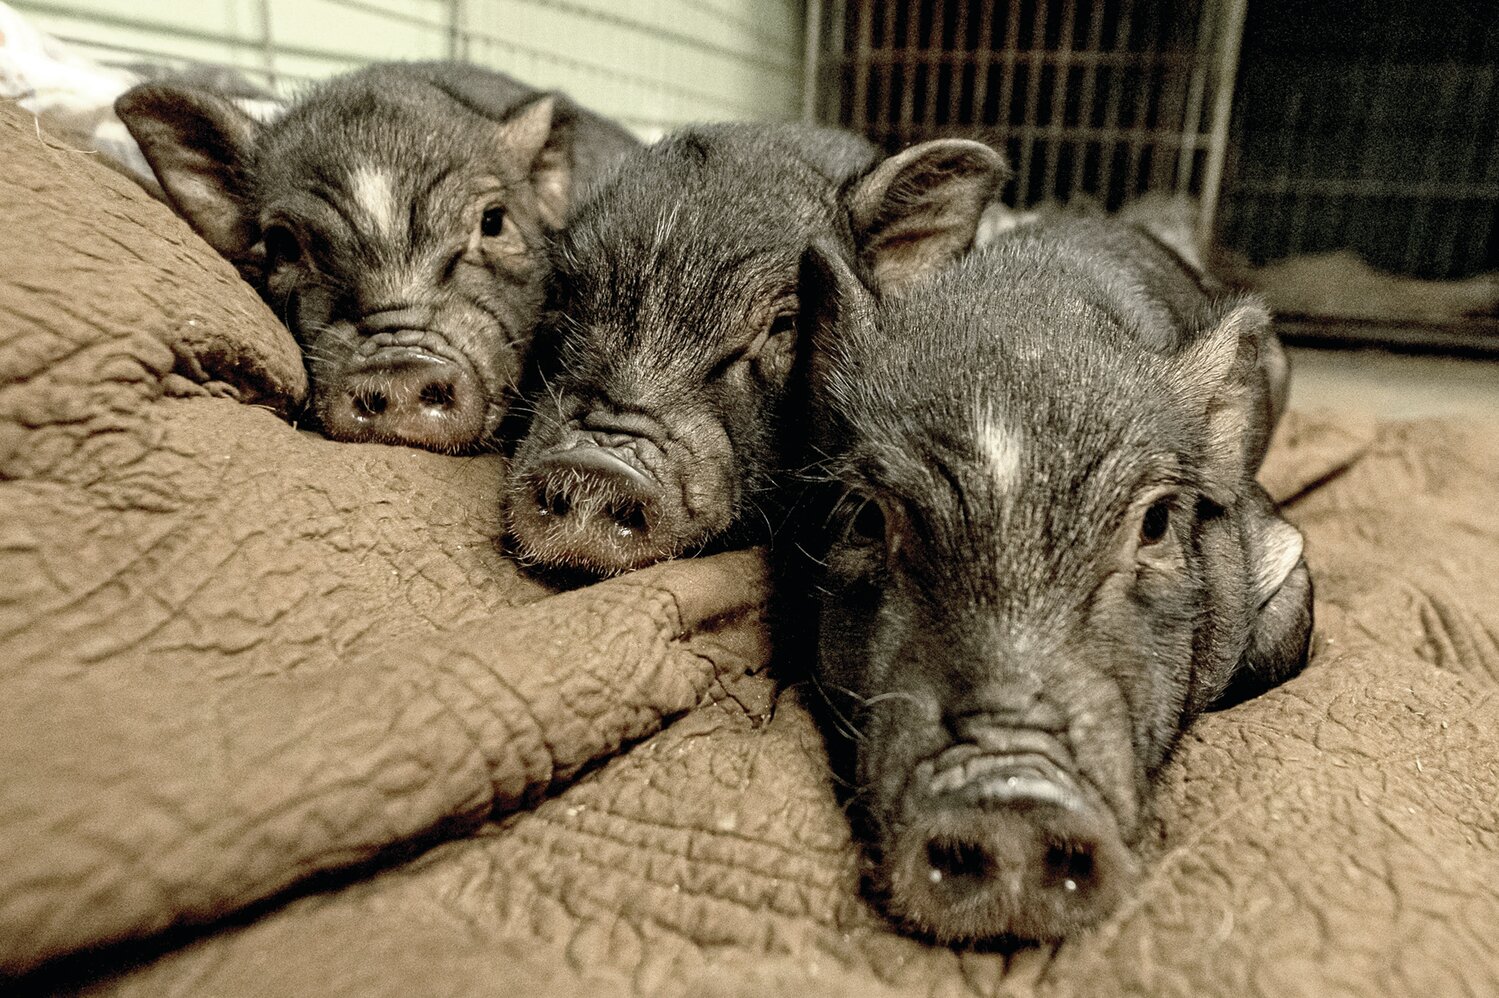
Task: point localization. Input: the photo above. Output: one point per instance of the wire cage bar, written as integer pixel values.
(1365, 131)
(1343, 155)
(1107, 100)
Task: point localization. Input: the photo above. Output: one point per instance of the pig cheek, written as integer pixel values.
(1101, 730)
(904, 722)
(329, 349)
(706, 472)
(1170, 606)
(745, 408)
(849, 604)
(478, 338)
(1125, 702)
(846, 633)
(308, 309)
(1164, 681)
(294, 298)
(850, 627)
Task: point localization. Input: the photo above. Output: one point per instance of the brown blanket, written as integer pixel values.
(278, 717)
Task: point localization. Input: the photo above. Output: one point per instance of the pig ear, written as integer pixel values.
(919, 209)
(1221, 374)
(199, 145)
(539, 134)
(1280, 598)
(830, 294)
(1277, 548)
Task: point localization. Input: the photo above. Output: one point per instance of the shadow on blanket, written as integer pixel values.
(278, 717)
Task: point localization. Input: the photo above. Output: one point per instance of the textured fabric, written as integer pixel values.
(277, 715)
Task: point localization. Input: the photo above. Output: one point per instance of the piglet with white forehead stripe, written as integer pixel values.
(1040, 551)
(395, 218)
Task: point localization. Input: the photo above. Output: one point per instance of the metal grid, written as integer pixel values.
(1107, 99)
(1370, 129)
(652, 64)
(1375, 130)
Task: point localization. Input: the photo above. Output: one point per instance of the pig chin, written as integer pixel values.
(996, 835)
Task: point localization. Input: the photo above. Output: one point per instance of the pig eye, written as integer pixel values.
(783, 324)
(1155, 522)
(281, 246)
(493, 222)
(868, 525)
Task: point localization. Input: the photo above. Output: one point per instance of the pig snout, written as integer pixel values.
(406, 397)
(594, 502)
(1004, 843)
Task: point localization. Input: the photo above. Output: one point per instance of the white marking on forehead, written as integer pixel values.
(999, 447)
(375, 197)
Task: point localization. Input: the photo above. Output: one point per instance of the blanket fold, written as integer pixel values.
(197, 807)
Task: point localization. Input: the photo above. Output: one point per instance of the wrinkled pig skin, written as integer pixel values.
(395, 218)
(655, 411)
(1041, 551)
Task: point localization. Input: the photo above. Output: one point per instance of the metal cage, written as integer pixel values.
(1302, 128)
(1370, 127)
(1107, 100)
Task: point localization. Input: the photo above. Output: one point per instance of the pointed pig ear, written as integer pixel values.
(1276, 549)
(538, 135)
(1221, 374)
(199, 145)
(831, 295)
(918, 210)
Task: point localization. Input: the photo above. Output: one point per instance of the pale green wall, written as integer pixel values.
(650, 63)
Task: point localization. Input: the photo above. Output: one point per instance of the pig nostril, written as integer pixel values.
(629, 517)
(552, 501)
(369, 404)
(438, 395)
(958, 863)
(1069, 866)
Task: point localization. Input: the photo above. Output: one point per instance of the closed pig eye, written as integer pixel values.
(782, 325)
(769, 341)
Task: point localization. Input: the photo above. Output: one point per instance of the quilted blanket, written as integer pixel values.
(279, 717)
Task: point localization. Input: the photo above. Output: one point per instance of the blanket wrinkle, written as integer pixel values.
(415, 766)
(144, 293)
(279, 716)
(1326, 445)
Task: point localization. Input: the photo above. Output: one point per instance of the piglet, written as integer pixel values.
(655, 410)
(1039, 551)
(395, 219)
